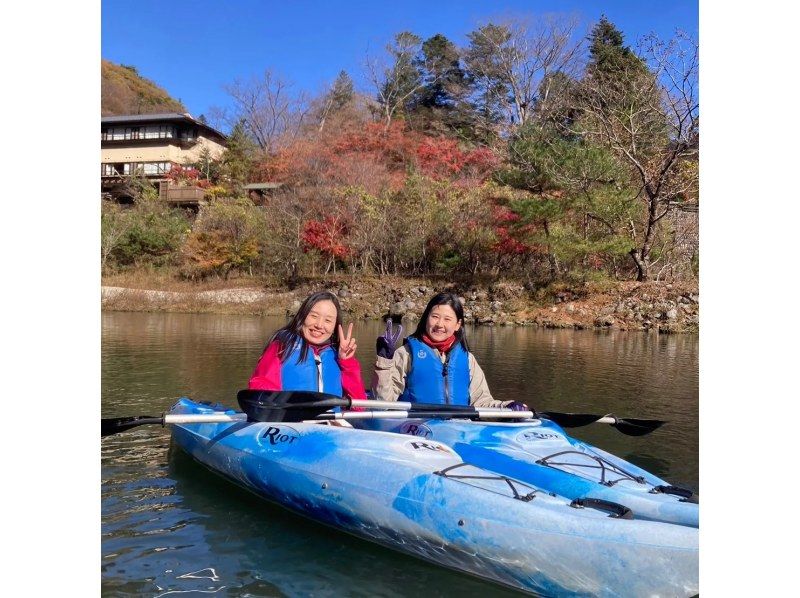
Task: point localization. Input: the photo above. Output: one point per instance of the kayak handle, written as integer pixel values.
(685, 494)
(615, 510)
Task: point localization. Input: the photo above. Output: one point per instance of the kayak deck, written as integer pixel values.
(540, 453)
(418, 496)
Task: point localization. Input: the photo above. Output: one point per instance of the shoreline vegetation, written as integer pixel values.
(661, 307)
(547, 174)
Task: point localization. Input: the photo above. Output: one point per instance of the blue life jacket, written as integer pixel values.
(304, 375)
(431, 381)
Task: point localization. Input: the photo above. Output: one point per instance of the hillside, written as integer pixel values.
(124, 91)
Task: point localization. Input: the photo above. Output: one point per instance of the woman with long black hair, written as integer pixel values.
(434, 364)
(312, 352)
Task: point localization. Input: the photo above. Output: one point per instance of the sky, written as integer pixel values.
(194, 49)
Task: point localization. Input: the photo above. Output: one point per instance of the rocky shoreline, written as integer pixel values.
(651, 306)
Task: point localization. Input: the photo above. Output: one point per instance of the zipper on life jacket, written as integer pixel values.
(444, 375)
(318, 366)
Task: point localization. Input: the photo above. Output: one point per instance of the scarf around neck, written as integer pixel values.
(441, 346)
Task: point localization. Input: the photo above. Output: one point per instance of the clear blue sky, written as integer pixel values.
(192, 49)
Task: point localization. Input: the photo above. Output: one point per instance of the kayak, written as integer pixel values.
(418, 496)
(540, 453)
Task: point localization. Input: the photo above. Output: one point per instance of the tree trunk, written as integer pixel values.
(641, 265)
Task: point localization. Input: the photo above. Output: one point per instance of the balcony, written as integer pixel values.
(181, 195)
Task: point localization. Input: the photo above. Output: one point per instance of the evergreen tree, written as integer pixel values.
(491, 90)
(442, 103)
(607, 51)
(340, 96)
(237, 161)
(647, 118)
(342, 92)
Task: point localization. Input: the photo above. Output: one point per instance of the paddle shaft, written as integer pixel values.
(411, 414)
(214, 418)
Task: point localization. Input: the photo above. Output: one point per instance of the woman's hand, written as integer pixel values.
(347, 344)
(384, 345)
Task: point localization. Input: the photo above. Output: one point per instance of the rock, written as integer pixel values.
(495, 305)
(570, 308)
(294, 307)
(481, 295)
(410, 304)
(672, 314)
(423, 290)
(607, 310)
(604, 321)
(398, 309)
(344, 293)
(554, 309)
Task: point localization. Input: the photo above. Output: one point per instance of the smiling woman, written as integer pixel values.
(312, 352)
(434, 365)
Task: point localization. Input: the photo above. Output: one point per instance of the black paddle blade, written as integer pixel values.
(637, 427)
(114, 425)
(628, 426)
(286, 405)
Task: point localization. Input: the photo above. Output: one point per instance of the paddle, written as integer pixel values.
(111, 426)
(294, 406)
(114, 425)
(629, 426)
(261, 405)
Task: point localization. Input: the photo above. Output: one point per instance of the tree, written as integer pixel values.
(644, 108)
(340, 95)
(225, 238)
(396, 83)
(115, 223)
(491, 90)
(149, 232)
(442, 105)
(237, 161)
(517, 58)
(266, 109)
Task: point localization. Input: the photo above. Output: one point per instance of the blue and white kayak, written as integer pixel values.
(540, 453)
(418, 496)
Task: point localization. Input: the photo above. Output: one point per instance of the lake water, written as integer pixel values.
(169, 526)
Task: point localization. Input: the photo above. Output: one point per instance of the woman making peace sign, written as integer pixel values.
(312, 352)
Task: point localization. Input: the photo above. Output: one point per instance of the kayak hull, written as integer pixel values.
(419, 497)
(540, 453)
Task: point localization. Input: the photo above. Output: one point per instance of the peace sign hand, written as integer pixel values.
(384, 345)
(347, 344)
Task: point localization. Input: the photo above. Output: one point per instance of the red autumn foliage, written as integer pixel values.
(443, 158)
(394, 146)
(374, 157)
(508, 235)
(326, 236)
(440, 158)
(186, 175)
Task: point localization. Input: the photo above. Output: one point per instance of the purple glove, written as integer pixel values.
(384, 345)
(517, 406)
